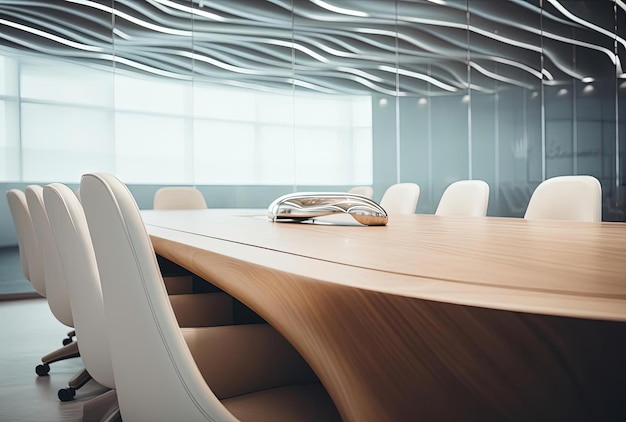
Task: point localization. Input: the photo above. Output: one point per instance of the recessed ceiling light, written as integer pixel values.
(588, 89)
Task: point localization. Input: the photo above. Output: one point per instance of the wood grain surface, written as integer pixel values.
(561, 268)
(388, 352)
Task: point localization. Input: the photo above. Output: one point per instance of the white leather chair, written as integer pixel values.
(178, 198)
(468, 198)
(29, 252)
(400, 198)
(366, 191)
(577, 198)
(159, 379)
(30, 257)
(56, 287)
(78, 263)
(32, 265)
(32, 262)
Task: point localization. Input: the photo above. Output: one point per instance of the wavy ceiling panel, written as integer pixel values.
(434, 47)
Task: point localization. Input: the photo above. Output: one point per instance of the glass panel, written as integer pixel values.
(224, 153)
(276, 109)
(615, 208)
(151, 95)
(10, 151)
(432, 74)
(384, 149)
(362, 158)
(580, 94)
(61, 143)
(505, 104)
(243, 105)
(519, 137)
(559, 132)
(59, 82)
(151, 149)
(274, 156)
(332, 92)
(154, 92)
(322, 156)
(61, 125)
(8, 76)
(233, 104)
(450, 142)
(325, 133)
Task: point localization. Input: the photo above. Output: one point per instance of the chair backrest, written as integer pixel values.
(157, 378)
(56, 287)
(21, 220)
(366, 191)
(400, 198)
(577, 198)
(30, 253)
(468, 198)
(78, 261)
(179, 198)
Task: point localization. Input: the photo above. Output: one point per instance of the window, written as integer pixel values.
(77, 119)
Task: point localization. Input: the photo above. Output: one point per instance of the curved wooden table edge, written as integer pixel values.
(544, 302)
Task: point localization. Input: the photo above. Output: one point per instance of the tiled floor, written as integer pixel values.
(29, 331)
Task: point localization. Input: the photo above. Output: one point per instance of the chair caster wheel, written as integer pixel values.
(42, 369)
(66, 394)
(67, 341)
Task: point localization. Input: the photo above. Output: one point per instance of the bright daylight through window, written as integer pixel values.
(59, 120)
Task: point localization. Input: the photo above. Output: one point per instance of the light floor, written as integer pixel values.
(28, 331)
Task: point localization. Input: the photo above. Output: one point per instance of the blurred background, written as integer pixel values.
(251, 99)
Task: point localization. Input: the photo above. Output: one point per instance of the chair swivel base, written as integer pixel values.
(66, 352)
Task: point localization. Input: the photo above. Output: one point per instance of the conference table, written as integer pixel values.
(429, 317)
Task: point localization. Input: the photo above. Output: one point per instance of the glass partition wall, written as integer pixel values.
(250, 99)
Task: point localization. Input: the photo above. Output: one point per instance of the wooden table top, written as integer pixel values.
(547, 267)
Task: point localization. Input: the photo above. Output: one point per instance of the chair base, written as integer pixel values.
(66, 352)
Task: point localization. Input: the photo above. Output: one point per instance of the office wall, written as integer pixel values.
(511, 146)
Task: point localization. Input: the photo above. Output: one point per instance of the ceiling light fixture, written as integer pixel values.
(339, 10)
